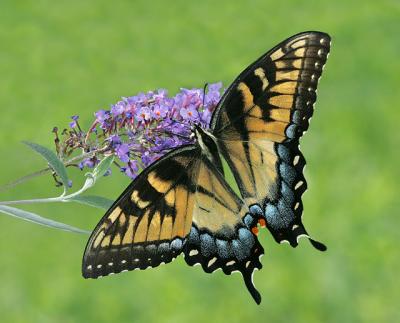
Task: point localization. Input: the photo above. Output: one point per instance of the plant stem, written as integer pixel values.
(33, 201)
(90, 181)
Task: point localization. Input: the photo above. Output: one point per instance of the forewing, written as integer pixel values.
(273, 98)
(219, 237)
(261, 118)
(148, 224)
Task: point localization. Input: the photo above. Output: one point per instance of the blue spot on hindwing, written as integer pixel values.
(194, 236)
(287, 193)
(288, 173)
(296, 117)
(249, 220)
(207, 245)
(223, 249)
(246, 238)
(240, 250)
(284, 153)
(151, 249)
(256, 209)
(291, 131)
(176, 244)
(273, 216)
(163, 248)
(286, 213)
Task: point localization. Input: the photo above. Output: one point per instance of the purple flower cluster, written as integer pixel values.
(140, 129)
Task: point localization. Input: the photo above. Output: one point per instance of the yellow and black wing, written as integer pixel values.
(148, 224)
(258, 124)
(219, 237)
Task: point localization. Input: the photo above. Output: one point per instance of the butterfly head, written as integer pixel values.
(203, 138)
(208, 145)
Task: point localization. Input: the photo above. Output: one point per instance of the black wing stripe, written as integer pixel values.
(213, 197)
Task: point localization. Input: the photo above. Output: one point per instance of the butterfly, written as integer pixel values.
(182, 202)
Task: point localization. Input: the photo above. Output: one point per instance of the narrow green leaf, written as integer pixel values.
(93, 200)
(103, 166)
(32, 217)
(55, 163)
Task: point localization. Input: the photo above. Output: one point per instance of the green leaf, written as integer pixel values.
(103, 166)
(32, 217)
(55, 163)
(93, 200)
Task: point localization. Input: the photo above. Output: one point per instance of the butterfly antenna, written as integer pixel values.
(176, 134)
(175, 122)
(204, 92)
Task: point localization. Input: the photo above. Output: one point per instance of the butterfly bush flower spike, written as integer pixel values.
(139, 129)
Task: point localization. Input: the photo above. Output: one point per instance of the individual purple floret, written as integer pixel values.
(122, 152)
(89, 162)
(142, 128)
(74, 122)
(131, 169)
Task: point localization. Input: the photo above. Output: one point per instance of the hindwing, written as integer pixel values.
(219, 238)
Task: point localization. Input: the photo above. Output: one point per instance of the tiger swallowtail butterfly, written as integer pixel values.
(182, 203)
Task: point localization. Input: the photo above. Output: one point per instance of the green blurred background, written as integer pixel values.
(58, 59)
